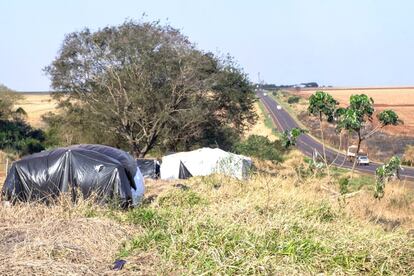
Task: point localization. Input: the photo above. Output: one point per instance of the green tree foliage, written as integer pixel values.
(385, 173)
(146, 85)
(358, 117)
(16, 136)
(290, 136)
(323, 106)
(7, 100)
(293, 99)
(389, 117)
(260, 147)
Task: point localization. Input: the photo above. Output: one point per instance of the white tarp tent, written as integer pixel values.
(205, 161)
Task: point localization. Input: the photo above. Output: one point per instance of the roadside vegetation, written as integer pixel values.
(376, 138)
(292, 216)
(284, 223)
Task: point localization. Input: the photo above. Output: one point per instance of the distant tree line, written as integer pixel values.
(269, 86)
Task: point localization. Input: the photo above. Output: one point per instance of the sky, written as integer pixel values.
(332, 42)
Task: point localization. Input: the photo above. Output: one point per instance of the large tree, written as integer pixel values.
(147, 84)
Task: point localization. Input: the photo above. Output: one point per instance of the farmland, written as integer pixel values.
(400, 99)
(36, 104)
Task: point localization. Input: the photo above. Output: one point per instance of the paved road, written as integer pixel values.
(307, 144)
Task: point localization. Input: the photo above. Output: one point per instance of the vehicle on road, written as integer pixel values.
(351, 152)
(278, 107)
(264, 94)
(363, 160)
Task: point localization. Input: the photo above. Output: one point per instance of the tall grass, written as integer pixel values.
(278, 223)
(264, 226)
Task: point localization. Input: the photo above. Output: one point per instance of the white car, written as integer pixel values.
(278, 107)
(264, 94)
(363, 160)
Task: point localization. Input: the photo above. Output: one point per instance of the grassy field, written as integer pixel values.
(399, 99)
(272, 224)
(36, 105)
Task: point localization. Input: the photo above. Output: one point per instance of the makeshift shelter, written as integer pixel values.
(110, 173)
(150, 168)
(204, 161)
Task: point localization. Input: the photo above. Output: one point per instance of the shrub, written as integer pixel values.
(408, 157)
(343, 185)
(260, 147)
(293, 99)
(19, 137)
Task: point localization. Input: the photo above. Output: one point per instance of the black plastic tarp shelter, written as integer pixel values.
(99, 169)
(183, 172)
(149, 168)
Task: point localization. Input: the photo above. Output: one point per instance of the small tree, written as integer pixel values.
(357, 118)
(385, 173)
(323, 106)
(8, 99)
(289, 137)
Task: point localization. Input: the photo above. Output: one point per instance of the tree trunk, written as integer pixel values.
(356, 153)
(323, 147)
(136, 150)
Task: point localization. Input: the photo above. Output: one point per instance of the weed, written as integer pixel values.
(344, 185)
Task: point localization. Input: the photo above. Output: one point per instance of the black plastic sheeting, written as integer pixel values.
(184, 173)
(103, 170)
(150, 168)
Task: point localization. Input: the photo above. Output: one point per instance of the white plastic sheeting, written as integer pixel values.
(206, 161)
(138, 194)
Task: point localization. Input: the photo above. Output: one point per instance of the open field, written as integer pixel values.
(36, 105)
(400, 99)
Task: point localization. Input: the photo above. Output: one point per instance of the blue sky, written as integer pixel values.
(332, 42)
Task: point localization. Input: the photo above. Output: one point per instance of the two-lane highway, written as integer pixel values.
(305, 143)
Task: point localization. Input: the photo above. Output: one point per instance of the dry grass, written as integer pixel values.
(60, 239)
(282, 223)
(399, 99)
(261, 128)
(395, 210)
(36, 105)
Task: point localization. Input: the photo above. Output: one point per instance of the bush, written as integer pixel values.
(260, 147)
(408, 157)
(293, 99)
(20, 138)
(343, 185)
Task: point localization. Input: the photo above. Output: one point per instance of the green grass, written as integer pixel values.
(268, 121)
(264, 226)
